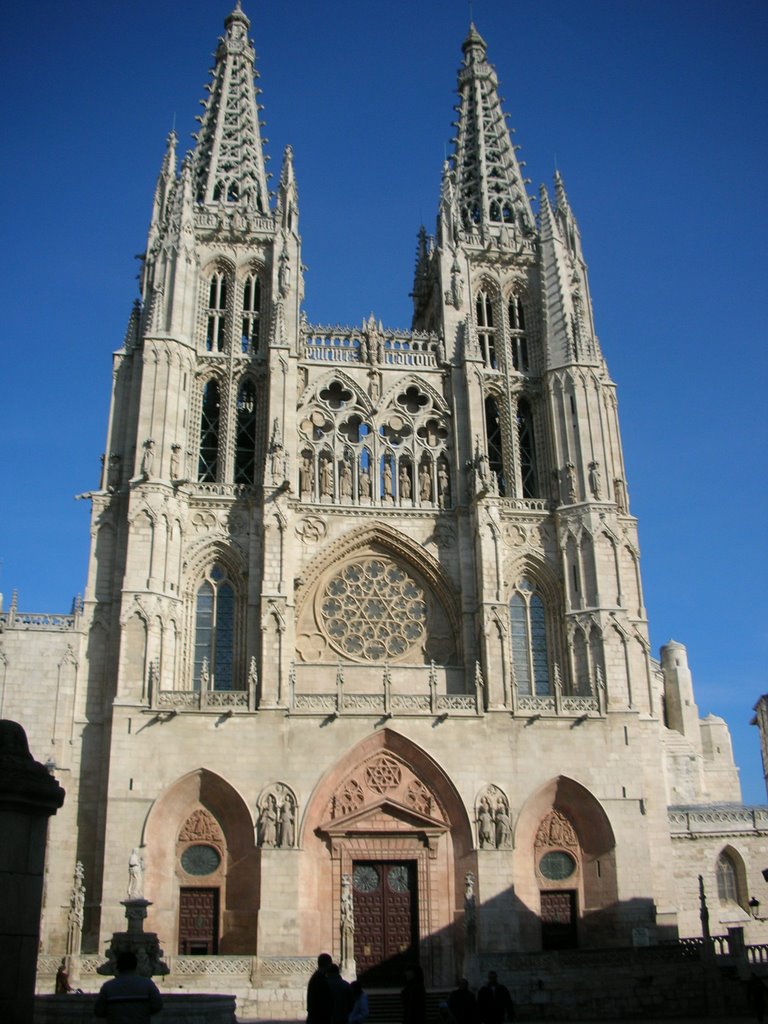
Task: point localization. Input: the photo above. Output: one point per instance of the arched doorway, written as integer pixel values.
(389, 846)
(202, 867)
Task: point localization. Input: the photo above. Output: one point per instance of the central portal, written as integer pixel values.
(386, 920)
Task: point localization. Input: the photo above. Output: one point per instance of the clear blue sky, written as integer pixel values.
(655, 113)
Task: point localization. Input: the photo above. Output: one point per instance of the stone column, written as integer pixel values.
(28, 796)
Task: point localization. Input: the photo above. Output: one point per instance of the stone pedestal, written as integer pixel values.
(144, 945)
(29, 795)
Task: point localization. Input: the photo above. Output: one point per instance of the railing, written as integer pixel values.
(557, 704)
(33, 620)
(369, 346)
(219, 490)
(204, 700)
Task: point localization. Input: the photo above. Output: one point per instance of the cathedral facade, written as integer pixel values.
(363, 662)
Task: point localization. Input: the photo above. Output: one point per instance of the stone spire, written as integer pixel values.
(229, 158)
(489, 185)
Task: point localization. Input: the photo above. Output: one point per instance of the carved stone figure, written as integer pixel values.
(347, 921)
(268, 823)
(135, 875)
(365, 484)
(503, 827)
(305, 475)
(284, 273)
(485, 826)
(175, 461)
(555, 490)
(388, 479)
(148, 458)
(76, 912)
(405, 482)
(287, 824)
(470, 917)
(443, 485)
(326, 478)
(595, 483)
(425, 483)
(620, 491)
(346, 480)
(113, 472)
(570, 473)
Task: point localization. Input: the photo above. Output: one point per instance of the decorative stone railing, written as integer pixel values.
(358, 345)
(218, 490)
(249, 968)
(567, 705)
(716, 819)
(204, 700)
(13, 619)
(525, 504)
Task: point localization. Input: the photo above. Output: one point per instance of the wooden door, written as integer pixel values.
(198, 922)
(386, 920)
(558, 919)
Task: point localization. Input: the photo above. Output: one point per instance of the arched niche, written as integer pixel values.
(387, 801)
(238, 878)
(563, 815)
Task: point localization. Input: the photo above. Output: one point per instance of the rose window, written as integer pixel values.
(372, 610)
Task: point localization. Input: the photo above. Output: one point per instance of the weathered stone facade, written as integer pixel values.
(364, 601)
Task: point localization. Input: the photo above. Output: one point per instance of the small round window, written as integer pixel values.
(557, 865)
(200, 860)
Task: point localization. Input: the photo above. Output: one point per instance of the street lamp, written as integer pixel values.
(754, 907)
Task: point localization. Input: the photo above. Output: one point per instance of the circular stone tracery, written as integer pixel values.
(372, 610)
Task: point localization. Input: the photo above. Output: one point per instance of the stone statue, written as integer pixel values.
(326, 478)
(570, 472)
(305, 475)
(503, 827)
(470, 919)
(595, 483)
(346, 480)
(76, 912)
(287, 824)
(135, 875)
(347, 921)
(425, 483)
(284, 273)
(363, 350)
(148, 458)
(388, 479)
(555, 478)
(268, 822)
(405, 482)
(620, 491)
(485, 826)
(175, 461)
(113, 472)
(365, 484)
(443, 485)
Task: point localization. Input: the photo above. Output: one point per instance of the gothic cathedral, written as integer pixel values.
(363, 661)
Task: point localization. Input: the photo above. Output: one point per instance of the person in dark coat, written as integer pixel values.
(319, 998)
(414, 996)
(494, 1003)
(462, 1004)
(341, 995)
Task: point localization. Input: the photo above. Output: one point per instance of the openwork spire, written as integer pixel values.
(490, 189)
(229, 159)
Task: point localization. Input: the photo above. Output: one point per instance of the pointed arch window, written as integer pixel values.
(727, 871)
(208, 465)
(530, 654)
(217, 312)
(251, 313)
(518, 336)
(214, 632)
(245, 445)
(527, 449)
(494, 443)
(485, 329)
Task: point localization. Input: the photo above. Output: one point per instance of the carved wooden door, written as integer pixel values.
(558, 919)
(198, 922)
(386, 927)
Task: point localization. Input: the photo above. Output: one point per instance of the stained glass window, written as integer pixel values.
(530, 654)
(209, 434)
(245, 446)
(214, 633)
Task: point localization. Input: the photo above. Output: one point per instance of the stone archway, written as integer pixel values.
(388, 815)
(203, 810)
(566, 855)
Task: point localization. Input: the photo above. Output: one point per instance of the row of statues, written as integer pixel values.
(430, 478)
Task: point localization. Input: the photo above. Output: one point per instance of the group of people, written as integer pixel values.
(331, 999)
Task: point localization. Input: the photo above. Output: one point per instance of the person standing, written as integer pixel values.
(414, 996)
(462, 1003)
(319, 999)
(341, 995)
(494, 1003)
(359, 1012)
(128, 998)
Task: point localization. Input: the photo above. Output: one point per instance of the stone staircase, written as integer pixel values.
(385, 1006)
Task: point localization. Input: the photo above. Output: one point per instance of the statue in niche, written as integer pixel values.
(425, 483)
(76, 912)
(555, 492)
(595, 482)
(345, 481)
(443, 485)
(570, 472)
(287, 835)
(135, 875)
(620, 490)
(405, 482)
(113, 472)
(470, 921)
(326, 478)
(503, 827)
(388, 479)
(305, 475)
(175, 461)
(363, 350)
(485, 826)
(284, 273)
(268, 822)
(148, 458)
(365, 485)
(347, 921)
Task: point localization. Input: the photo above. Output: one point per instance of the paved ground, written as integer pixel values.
(622, 1020)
